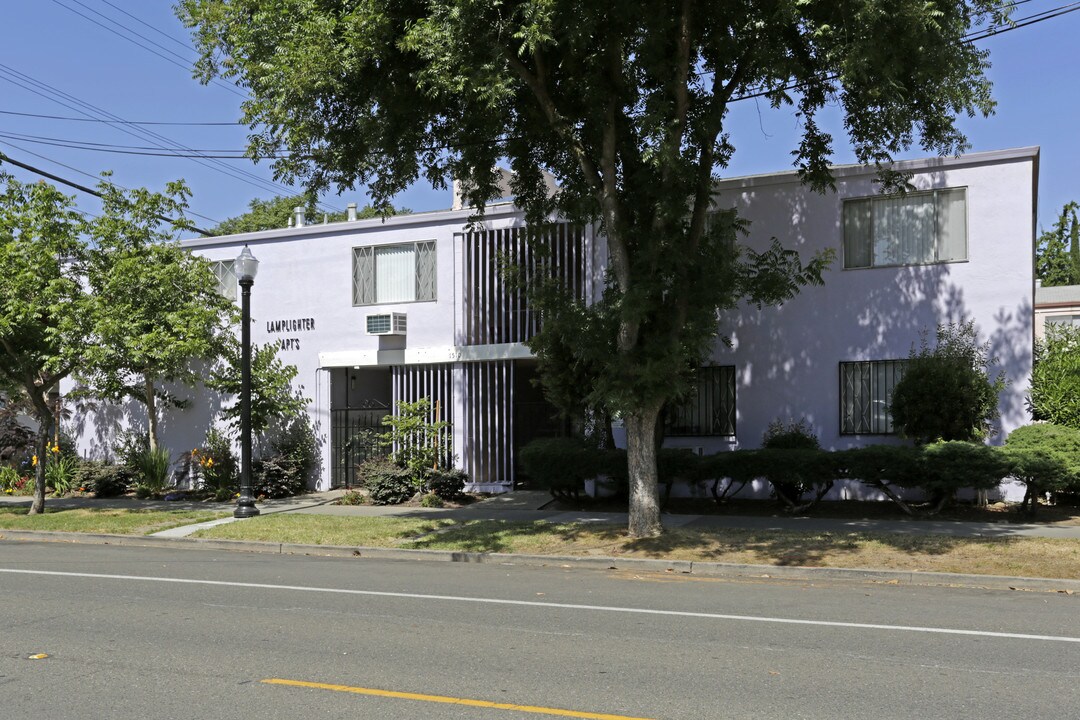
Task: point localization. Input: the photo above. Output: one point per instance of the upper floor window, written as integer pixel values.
(226, 278)
(394, 273)
(918, 228)
(866, 390)
(1063, 320)
(710, 407)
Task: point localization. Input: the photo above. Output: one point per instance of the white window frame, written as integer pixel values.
(877, 203)
(365, 292)
(226, 278)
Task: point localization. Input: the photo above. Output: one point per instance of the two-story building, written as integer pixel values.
(373, 312)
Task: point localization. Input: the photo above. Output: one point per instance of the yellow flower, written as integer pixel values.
(210, 462)
(33, 461)
(56, 448)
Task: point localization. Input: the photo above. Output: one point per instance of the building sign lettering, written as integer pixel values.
(293, 325)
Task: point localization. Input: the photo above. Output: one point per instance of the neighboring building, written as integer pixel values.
(374, 312)
(1059, 305)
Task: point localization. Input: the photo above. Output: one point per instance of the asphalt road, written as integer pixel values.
(161, 633)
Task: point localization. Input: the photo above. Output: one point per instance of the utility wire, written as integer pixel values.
(91, 175)
(68, 118)
(20, 79)
(43, 173)
(164, 34)
(171, 56)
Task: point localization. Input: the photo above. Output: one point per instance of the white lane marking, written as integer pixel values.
(553, 605)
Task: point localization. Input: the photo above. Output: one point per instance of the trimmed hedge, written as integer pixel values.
(1045, 458)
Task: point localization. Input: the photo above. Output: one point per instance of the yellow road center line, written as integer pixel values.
(450, 700)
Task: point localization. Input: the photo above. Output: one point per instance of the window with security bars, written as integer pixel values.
(709, 410)
(865, 394)
(917, 228)
(226, 278)
(394, 273)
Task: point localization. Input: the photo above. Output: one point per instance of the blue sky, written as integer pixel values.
(58, 50)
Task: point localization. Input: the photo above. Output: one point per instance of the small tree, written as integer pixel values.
(1057, 254)
(273, 398)
(157, 310)
(417, 442)
(1055, 378)
(946, 392)
(44, 306)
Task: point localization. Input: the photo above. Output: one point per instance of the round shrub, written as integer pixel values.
(391, 489)
(386, 482)
(946, 392)
(446, 484)
(103, 479)
(431, 500)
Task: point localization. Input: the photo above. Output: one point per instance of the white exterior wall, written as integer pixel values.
(787, 359)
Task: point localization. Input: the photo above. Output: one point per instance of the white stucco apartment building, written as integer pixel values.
(372, 312)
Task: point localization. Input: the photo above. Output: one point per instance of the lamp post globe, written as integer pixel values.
(245, 266)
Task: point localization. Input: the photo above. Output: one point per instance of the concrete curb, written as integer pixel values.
(683, 567)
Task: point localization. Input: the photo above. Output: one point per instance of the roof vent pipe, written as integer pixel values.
(298, 211)
(351, 209)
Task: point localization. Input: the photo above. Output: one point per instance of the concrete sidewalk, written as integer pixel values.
(528, 505)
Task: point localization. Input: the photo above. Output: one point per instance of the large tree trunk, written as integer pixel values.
(151, 411)
(641, 462)
(41, 449)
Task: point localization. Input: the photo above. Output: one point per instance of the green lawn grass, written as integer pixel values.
(1025, 556)
(113, 521)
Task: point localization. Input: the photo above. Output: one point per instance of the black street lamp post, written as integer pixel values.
(245, 266)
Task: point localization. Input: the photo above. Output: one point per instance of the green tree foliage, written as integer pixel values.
(1055, 377)
(274, 400)
(1046, 458)
(417, 442)
(45, 309)
(1057, 254)
(157, 311)
(624, 104)
(275, 213)
(946, 392)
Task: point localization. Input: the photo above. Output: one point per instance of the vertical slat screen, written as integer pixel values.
(488, 455)
(495, 312)
(435, 382)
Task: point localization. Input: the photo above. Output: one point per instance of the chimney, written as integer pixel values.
(298, 211)
(351, 210)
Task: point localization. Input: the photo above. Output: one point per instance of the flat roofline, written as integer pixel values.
(1030, 152)
(427, 217)
(509, 209)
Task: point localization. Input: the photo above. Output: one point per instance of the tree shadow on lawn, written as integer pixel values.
(785, 548)
(492, 536)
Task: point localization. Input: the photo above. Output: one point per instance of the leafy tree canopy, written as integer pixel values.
(276, 212)
(1055, 378)
(1057, 254)
(624, 103)
(156, 307)
(45, 309)
(274, 400)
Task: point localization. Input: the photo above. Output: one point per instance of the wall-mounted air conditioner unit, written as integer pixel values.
(386, 324)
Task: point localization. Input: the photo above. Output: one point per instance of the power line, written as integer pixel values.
(126, 122)
(164, 34)
(182, 62)
(82, 188)
(24, 136)
(60, 97)
(91, 175)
